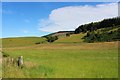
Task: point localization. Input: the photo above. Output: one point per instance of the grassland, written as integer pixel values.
(61, 60)
(67, 57)
(75, 38)
(21, 41)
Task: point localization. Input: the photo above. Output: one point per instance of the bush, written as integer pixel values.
(5, 54)
(51, 38)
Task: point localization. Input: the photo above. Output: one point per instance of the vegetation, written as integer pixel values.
(103, 35)
(66, 57)
(75, 38)
(95, 35)
(22, 41)
(51, 38)
(92, 31)
(5, 54)
(97, 25)
(88, 60)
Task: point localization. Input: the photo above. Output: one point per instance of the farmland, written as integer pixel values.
(63, 60)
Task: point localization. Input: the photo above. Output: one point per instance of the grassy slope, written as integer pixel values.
(75, 38)
(88, 60)
(23, 41)
(76, 59)
(115, 28)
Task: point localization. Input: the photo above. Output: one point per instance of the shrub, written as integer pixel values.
(5, 54)
(51, 38)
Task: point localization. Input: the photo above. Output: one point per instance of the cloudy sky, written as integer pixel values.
(41, 18)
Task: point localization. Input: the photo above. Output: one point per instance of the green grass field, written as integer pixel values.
(21, 41)
(75, 38)
(61, 60)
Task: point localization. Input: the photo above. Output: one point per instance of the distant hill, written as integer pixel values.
(103, 35)
(63, 33)
(22, 41)
(111, 22)
(55, 36)
(74, 38)
(60, 33)
(103, 31)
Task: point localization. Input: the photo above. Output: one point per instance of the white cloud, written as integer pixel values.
(69, 18)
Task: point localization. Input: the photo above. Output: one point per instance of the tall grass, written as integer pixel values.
(94, 60)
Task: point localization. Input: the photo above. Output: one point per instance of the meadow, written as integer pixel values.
(61, 60)
(74, 38)
(21, 41)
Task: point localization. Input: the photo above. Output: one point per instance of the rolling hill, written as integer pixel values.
(75, 38)
(66, 57)
(104, 31)
(22, 41)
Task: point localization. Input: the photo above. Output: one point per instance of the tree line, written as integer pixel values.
(96, 35)
(102, 36)
(97, 25)
(93, 32)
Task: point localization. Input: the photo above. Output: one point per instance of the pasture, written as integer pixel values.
(21, 41)
(74, 38)
(61, 60)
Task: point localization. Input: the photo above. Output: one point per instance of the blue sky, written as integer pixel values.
(40, 18)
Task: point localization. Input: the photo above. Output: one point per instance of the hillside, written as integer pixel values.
(106, 23)
(100, 35)
(75, 38)
(103, 35)
(22, 41)
(67, 57)
(60, 34)
(103, 31)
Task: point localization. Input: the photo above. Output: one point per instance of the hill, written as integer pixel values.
(111, 22)
(75, 38)
(22, 41)
(99, 35)
(54, 36)
(103, 31)
(103, 35)
(63, 33)
(52, 60)
(60, 34)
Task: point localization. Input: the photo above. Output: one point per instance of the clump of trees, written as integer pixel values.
(40, 42)
(97, 25)
(94, 35)
(68, 35)
(51, 38)
(102, 36)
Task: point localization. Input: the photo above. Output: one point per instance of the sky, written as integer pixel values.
(21, 19)
(59, 0)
